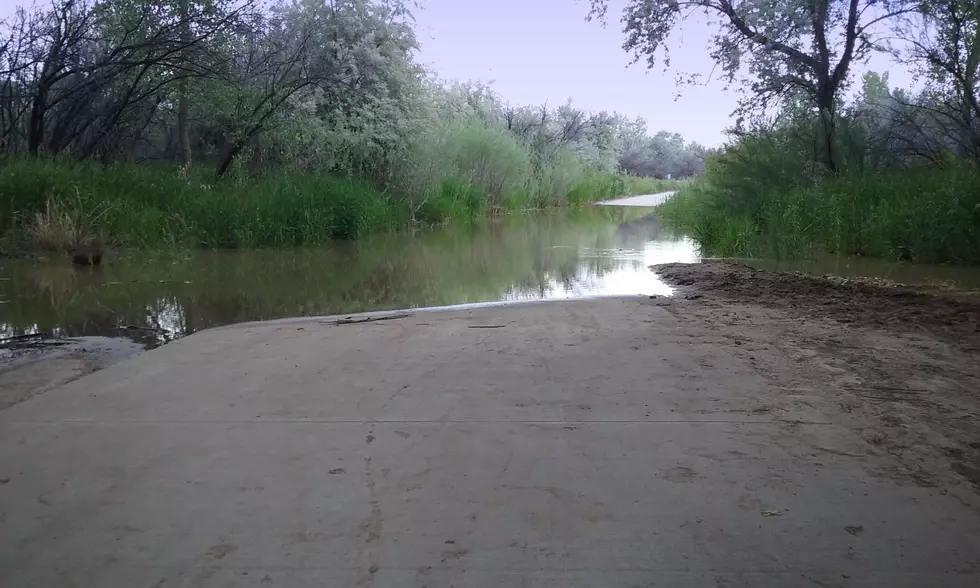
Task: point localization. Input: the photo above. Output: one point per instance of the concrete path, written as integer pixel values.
(588, 443)
(647, 200)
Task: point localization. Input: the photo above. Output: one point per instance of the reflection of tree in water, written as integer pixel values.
(637, 232)
(599, 254)
(63, 301)
(153, 300)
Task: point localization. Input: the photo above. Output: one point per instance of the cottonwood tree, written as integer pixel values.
(73, 75)
(791, 46)
(944, 39)
(889, 128)
(346, 56)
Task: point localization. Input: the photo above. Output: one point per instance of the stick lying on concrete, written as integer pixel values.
(367, 319)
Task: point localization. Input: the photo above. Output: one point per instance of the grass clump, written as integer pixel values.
(72, 229)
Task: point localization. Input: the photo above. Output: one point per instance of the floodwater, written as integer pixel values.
(152, 299)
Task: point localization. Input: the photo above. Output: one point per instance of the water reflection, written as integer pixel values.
(154, 299)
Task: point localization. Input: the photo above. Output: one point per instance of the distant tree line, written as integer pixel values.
(306, 85)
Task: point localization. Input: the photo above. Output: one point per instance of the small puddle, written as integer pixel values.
(152, 298)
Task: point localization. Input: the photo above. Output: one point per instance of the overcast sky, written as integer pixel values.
(543, 50)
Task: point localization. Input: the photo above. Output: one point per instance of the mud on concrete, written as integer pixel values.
(34, 364)
(899, 363)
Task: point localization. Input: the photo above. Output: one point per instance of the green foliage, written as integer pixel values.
(924, 215)
(452, 199)
(316, 117)
(640, 185)
(465, 155)
(152, 206)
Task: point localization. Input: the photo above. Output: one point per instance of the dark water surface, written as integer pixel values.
(591, 251)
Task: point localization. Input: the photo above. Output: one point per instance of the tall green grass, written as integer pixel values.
(926, 215)
(474, 172)
(146, 206)
(465, 167)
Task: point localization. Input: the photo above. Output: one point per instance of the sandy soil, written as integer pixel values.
(897, 364)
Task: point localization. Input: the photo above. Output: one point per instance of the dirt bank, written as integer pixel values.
(951, 315)
(899, 364)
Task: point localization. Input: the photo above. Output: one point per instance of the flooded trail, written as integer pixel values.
(154, 298)
(646, 200)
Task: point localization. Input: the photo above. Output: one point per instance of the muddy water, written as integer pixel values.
(593, 251)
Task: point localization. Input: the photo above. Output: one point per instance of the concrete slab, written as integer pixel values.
(646, 200)
(591, 443)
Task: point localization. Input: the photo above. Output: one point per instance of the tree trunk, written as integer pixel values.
(828, 127)
(829, 131)
(183, 105)
(229, 158)
(183, 135)
(35, 136)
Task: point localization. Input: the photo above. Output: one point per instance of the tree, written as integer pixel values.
(347, 55)
(183, 102)
(793, 46)
(78, 72)
(944, 39)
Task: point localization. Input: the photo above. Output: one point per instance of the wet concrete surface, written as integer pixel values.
(614, 442)
(34, 364)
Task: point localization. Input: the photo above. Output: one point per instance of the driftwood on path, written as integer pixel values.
(366, 319)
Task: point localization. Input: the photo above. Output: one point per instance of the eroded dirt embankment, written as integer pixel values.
(954, 315)
(900, 364)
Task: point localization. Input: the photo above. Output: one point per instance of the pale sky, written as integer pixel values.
(544, 50)
(537, 51)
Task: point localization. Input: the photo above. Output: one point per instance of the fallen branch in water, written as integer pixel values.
(141, 328)
(368, 319)
(27, 336)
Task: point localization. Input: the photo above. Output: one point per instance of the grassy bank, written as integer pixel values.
(926, 215)
(147, 206)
